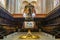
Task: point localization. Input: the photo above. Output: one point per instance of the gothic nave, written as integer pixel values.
(29, 19)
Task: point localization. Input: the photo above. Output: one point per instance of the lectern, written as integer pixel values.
(29, 22)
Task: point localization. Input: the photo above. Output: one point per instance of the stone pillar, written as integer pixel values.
(49, 5)
(56, 3)
(43, 6)
(3, 3)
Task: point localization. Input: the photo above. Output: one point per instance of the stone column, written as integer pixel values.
(3, 3)
(43, 6)
(49, 5)
(56, 3)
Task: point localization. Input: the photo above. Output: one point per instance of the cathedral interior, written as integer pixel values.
(29, 19)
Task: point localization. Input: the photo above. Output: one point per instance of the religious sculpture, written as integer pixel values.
(29, 12)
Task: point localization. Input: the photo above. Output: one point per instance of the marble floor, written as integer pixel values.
(15, 36)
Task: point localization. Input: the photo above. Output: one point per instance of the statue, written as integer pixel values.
(29, 12)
